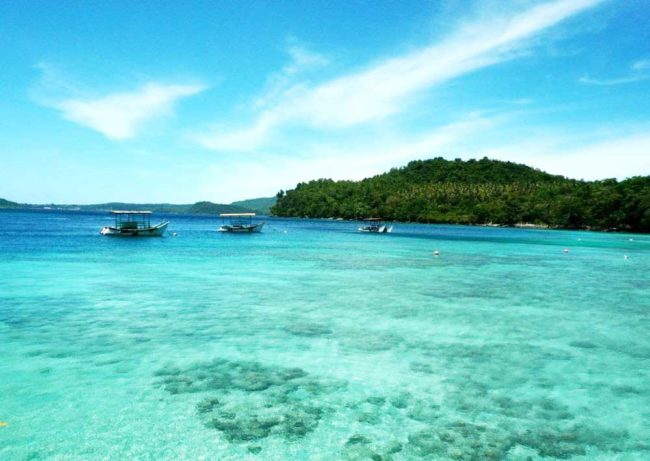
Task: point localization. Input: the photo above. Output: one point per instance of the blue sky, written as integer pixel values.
(181, 101)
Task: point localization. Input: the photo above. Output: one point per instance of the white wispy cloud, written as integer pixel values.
(278, 86)
(391, 86)
(642, 64)
(118, 116)
(616, 155)
(302, 60)
(620, 158)
(247, 138)
(613, 81)
(637, 73)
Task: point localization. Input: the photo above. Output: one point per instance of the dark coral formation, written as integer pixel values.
(359, 447)
(459, 440)
(248, 401)
(226, 375)
(572, 439)
(254, 421)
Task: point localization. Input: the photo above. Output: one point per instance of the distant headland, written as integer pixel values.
(258, 205)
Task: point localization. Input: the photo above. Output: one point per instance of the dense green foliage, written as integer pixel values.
(258, 205)
(476, 192)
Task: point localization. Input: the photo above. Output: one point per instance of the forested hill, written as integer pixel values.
(476, 192)
(259, 205)
(7, 204)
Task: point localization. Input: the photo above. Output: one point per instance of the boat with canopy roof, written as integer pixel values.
(375, 225)
(240, 223)
(134, 224)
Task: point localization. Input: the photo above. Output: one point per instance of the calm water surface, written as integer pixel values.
(311, 341)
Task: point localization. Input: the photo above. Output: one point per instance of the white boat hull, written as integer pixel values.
(376, 229)
(242, 229)
(154, 231)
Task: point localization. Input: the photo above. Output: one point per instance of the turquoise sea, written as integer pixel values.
(311, 341)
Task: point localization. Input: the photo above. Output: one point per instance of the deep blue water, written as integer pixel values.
(311, 341)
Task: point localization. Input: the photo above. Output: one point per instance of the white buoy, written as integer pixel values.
(626, 257)
(174, 234)
(565, 251)
(436, 253)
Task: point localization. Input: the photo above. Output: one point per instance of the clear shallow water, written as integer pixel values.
(313, 342)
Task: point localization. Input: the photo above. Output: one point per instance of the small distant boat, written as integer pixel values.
(240, 223)
(376, 225)
(134, 224)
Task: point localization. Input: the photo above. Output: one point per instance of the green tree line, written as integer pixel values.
(476, 192)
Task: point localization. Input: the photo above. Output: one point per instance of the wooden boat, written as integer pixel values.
(375, 225)
(134, 224)
(240, 223)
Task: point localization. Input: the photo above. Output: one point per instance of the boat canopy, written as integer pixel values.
(130, 212)
(128, 219)
(238, 219)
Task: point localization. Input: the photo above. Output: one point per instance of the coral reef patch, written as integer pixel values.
(247, 401)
